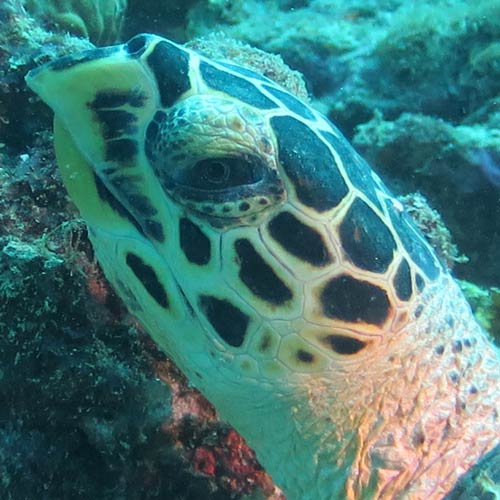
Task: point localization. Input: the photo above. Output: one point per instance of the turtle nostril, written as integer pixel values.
(136, 46)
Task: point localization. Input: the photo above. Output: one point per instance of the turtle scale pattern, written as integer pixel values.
(270, 262)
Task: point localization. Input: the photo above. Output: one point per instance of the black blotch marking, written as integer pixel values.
(244, 206)
(147, 276)
(341, 344)
(259, 276)
(366, 239)
(123, 182)
(244, 71)
(402, 281)
(418, 438)
(467, 343)
(116, 122)
(357, 169)
(67, 62)
(457, 346)
(299, 239)
(305, 356)
(473, 389)
(454, 377)
(137, 45)
(115, 98)
(194, 243)
(309, 164)
(348, 299)
(419, 281)
(170, 66)
(418, 311)
(234, 86)
(141, 204)
(439, 350)
(265, 342)
(291, 102)
(414, 242)
(107, 196)
(227, 320)
(154, 229)
(121, 150)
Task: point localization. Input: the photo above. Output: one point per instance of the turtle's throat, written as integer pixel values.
(406, 427)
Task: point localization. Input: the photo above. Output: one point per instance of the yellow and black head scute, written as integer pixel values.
(234, 220)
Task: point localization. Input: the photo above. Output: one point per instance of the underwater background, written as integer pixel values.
(89, 408)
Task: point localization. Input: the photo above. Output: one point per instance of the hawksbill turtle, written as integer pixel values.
(270, 262)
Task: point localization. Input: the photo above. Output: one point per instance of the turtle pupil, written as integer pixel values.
(215, 171)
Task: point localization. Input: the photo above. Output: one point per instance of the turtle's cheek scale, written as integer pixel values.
(274, 267)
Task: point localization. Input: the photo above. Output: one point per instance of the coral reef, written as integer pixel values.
(164, 17)
(429, 155)
(23, 45)
(98, 20)
(82, 409)
(431, 224)
(428, 53)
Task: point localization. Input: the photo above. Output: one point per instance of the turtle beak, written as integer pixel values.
(101, 97)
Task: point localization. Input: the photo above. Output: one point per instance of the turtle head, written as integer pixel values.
(254, 244)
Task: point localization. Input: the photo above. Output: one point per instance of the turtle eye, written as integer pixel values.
(217, 174)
